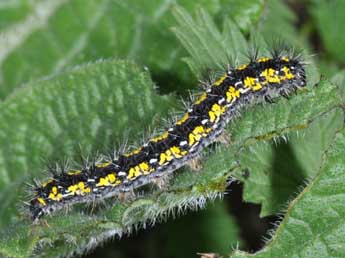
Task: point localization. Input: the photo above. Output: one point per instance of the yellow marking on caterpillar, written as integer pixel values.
(83, 189)
(103, 165)
(134, 172)
(144, 167)
(232, 94)
(138, 170)
(72, 189)
(183, 119)
(220, 80)
(201, 98)
(212, 116)
(109, 179)
(54, 190)
(44, 184)
(170, 153)
(215, 112)
(288, 74)
(73, 172)
(134, 152)
(165, 157)
(197, 133)
(160, 137)
(242, 67)
(263, 59)
(102, 182)
(252, 83)
(286, 59)
(81, 185)
(41, 201)
(54, 195)
(78, 189)
(176, 151)
(270, 76)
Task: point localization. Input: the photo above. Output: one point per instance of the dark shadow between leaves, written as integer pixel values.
(287, 175)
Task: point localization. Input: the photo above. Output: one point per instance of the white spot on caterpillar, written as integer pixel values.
(238, 83)
(151, 161)
(183, 143)
(221, 101)
(244, 90)
(203, 122)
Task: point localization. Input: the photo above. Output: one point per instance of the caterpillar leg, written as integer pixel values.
(126, 196)
(162, 182)
(45, 223)
(224, 138)
(195, 164)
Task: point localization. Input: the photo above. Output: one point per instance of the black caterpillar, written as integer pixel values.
(260, 79)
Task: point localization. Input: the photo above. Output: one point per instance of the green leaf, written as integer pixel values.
(273, 180)
(314, 222)
(339, 80)
(208, 48)
(245, 14)
(48, 36)
(328, 17)
(52, 117)
(212, 49)
(279, 23)
(12, 11)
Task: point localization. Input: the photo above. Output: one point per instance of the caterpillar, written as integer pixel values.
(261, 79)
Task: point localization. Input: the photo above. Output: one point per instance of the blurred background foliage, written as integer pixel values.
(42, 38)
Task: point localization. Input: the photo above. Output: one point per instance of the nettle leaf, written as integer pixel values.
(339, 80)
(209, 49)
(245, 14)
(12, 11)
(279, 168)
(92, 106)
(278, 12)
(43, 37)
(314, 222)
(327, 16)
(212, 50)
